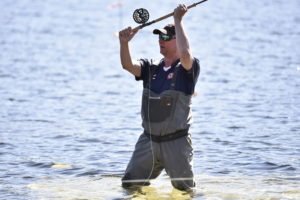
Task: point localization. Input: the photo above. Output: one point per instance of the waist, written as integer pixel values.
(169, 137)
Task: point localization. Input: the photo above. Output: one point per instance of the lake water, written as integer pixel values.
(70, 116)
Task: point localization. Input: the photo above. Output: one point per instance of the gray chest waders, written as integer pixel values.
(166, 120)
(166, 116)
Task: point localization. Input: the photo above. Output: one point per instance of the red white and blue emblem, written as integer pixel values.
(170, 75)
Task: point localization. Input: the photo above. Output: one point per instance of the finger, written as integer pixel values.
(178, 8)
(135, 30)
(183, 7)
(128, 31)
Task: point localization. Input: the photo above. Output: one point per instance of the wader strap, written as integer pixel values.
(173, 81)
(153, 68)
(168, 137)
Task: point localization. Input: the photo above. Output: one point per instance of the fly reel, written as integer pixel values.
(141, 15)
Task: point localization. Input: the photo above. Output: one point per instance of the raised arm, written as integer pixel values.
(128, 64)
(182, 41)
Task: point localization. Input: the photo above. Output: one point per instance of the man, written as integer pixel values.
(168, 88)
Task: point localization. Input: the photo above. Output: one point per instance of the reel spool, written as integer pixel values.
(141, 15)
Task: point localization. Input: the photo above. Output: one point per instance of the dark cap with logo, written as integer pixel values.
(167, 30)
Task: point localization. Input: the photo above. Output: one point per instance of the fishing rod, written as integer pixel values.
(141, 16)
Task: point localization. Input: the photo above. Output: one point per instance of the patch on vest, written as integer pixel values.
(170, 75)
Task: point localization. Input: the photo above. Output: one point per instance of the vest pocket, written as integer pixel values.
(157, 109)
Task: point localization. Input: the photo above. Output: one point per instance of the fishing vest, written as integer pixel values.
(167, 112)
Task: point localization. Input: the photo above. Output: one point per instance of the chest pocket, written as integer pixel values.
(157, 109)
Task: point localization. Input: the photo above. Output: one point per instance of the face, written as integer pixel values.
(167, 45)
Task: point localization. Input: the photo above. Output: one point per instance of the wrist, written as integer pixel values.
(124, 43)
(177, 20)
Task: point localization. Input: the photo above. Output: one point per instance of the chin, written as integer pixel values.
(162, 52)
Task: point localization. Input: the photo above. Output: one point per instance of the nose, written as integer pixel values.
(161, 41)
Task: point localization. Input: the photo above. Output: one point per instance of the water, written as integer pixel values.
(70, 116)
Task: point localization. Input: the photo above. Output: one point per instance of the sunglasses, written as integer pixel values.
(166, 37)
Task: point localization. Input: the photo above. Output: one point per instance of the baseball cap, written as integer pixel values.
(167, 30)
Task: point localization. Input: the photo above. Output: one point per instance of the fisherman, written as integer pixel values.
(166, 113)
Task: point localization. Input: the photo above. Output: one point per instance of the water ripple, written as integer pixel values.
(66, 99)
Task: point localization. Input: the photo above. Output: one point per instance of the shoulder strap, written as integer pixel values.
(153, 68)
(154, 65)
(173, 81)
